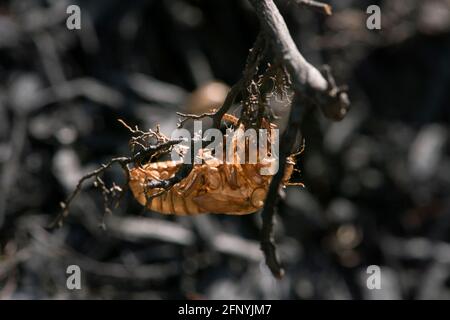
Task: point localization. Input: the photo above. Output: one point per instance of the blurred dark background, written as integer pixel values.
(377, 183)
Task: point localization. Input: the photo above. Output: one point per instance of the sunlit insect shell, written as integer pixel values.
(211, 187)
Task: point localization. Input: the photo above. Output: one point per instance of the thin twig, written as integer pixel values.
(250, 70)
(318, 6)
(289, 135)
(187, 116)
(310, 87)
(122, 161)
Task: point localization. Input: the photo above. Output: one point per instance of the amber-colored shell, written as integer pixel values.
(211, 187)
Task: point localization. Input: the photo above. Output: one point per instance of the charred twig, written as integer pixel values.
(318, 6)
(146, 152)
(306, 79)
(107, 193)
(185, 168)
(229, 100)
(123, 162)
(182, 173)
(310, 87)
(267, 245)
(187, 116)
(250, 70)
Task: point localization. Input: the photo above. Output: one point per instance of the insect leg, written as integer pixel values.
(300, 151)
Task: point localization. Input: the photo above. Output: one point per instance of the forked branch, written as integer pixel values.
(137, 157)
(307, 81)
(310, 87)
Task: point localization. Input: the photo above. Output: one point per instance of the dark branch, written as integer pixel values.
(310, 87)
(251, 68)
(306, 79)
(182, 173)
(320, 7)
(187, 116)
(249, 72)
(289, 135)
(123, 162)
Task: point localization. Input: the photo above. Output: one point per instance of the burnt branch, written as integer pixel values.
(307, 81)
(187, 116)
(182, 173)
(288, 68)
(136, 158)
(311, 87)
(163, 145)
(251, 68)
(268, 213)
(318, 6)
(122, 161)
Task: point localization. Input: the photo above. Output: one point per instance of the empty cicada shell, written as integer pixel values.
(211, 187)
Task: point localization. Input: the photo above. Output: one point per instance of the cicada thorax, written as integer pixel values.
(211, 187)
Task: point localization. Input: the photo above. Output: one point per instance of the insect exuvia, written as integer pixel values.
(211, 187)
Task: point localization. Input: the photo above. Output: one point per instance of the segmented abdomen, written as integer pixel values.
(209, 188)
